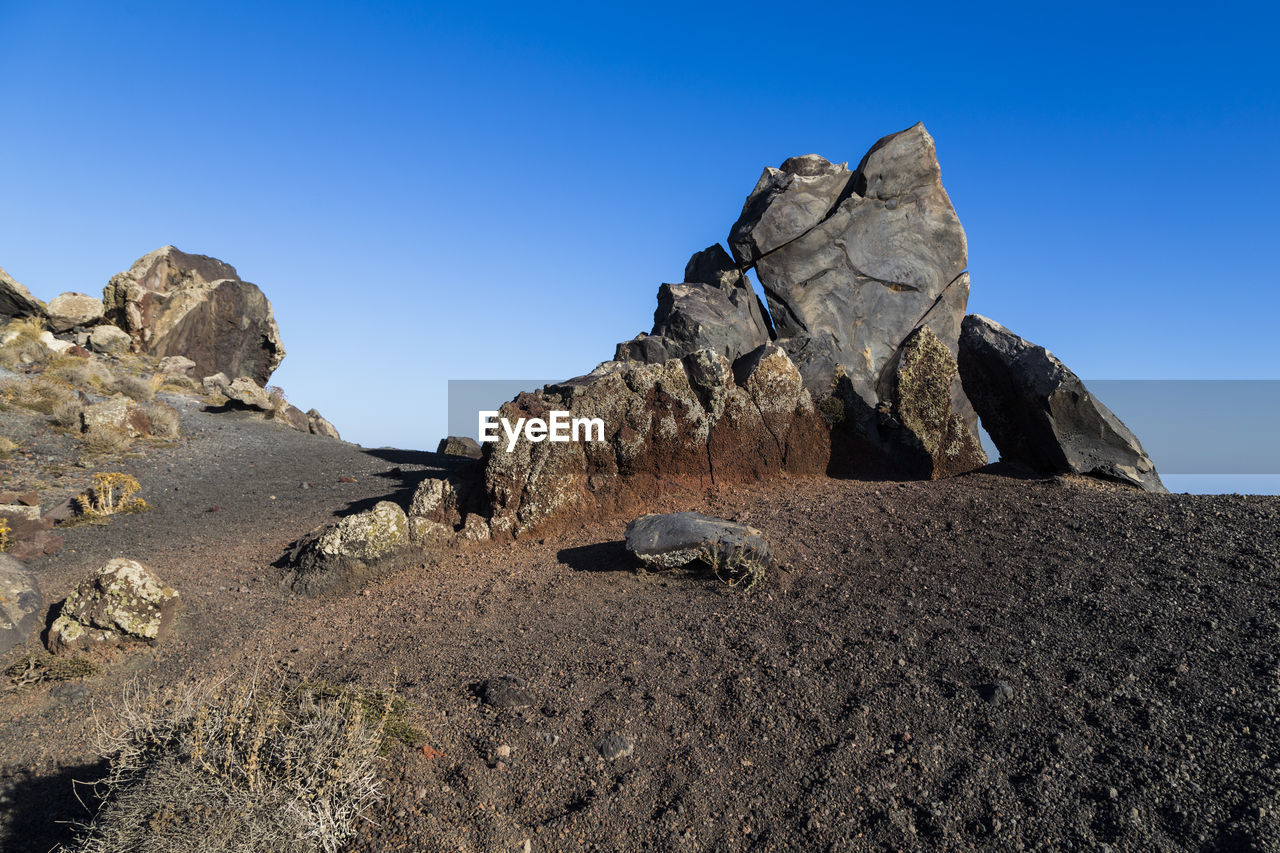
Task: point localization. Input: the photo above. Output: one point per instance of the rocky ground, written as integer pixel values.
(986, 662)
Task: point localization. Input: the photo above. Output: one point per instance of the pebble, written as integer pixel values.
(503, 751)
(615, 745)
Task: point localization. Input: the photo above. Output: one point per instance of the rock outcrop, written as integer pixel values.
(17, 301)
(714, 308)
(172, 303)
(1039, 413)
(681, 424)
(68, 310)
(107, 338)
(338, 556)
(21, 605)
(460, 445)
(121, 601)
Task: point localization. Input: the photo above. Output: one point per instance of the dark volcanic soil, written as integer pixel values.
(979, 663)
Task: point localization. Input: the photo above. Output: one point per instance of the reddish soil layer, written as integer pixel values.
(984, 662)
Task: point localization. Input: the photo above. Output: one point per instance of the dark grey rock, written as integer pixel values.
(506, 691)
(679, 538)
(17, 301)
(1039, 413)
(460, 445)
(996, 692)
(21, 604)
(786, 203)
(714, 308)
(845, 294)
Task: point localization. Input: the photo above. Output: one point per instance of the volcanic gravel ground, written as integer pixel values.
(985, 662)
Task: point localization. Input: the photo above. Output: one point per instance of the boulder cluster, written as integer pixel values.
(864, 362)
(192, 313)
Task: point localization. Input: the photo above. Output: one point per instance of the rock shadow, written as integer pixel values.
(39, 812)
(601, 557)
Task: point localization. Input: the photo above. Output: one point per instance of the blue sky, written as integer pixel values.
(434, 192)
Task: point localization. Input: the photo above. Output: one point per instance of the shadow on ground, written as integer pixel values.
(41, 812)
(601, 557)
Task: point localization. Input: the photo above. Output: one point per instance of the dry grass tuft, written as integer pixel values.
(106, 441)
(135, 387)
(263, 763)
(36, 394)
(164, 420)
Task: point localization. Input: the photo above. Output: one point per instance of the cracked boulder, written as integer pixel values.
(1039, 413)
(336, 557)
(172, 303)
(714, 308)
(676, 426)
(852, 263)
(122, 601)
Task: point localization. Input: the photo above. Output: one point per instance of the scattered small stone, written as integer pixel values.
(305, 485)
(345, 479)
(997, 692)
(505, 691)
(1113, 794)
(614, 746)
(502, 751)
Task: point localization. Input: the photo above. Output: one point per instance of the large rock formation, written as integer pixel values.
(714, 308)
(69, 310)
(682, 424)
(173, 303)
(17, 301)
(853, 262)
(1040, 414)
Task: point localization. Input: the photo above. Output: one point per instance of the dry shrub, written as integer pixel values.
(164, 420)
(106, 441)
(135, 387)
(5, 530)
(37, 394)
(25, 348)
(178, 383)
(110, 493)
(7, 446)
(264, 763)
(90, 374)
(67, 415)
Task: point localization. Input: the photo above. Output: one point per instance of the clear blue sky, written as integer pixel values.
(428, 192)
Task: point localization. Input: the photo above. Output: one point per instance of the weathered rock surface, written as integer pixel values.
(460, 445)
(335, 557)
(318, 425)
(172, 303)
(68, 310)
(177, 365)
(121, 601)
(786, 203)
(118, 412)
(677, 425)
(1039, 413)
(714, 308)
(17, 301)
(679, 538)
(847, 291)
(108, 338)
(21, 604)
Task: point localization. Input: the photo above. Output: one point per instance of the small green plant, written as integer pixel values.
(738, 566)
(5, 530)
(112, 492)
(262, 763)
(831, 410)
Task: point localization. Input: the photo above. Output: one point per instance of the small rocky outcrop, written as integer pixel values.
(21, 604)
(1039, 413)
(122, 601)
(318, 425)
(173, 303)
(729, 548)
(108, 339)
(17, 301)
(67, 311)
(714, 308)
(678, 425)
(460, 445)
(117, 413)
(30, 531)
(338, 556)
(246, 393)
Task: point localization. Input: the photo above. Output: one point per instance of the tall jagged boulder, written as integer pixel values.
(852, 263)
(1039, 413)
(679, 425)
(17, 301)
(173, 303)
(714, 308)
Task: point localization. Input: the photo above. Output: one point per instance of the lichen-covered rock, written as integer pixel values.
(21, 604)
(17, 301)
(676, 426)
(928, 437)
(337, 556)
(121, 601)
(68, 310)
(172, 303)
(118, 412)
(436, 499)
(1039, 413)
(176, 365)
(107, 338)
(460, 445)
(676, 539)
